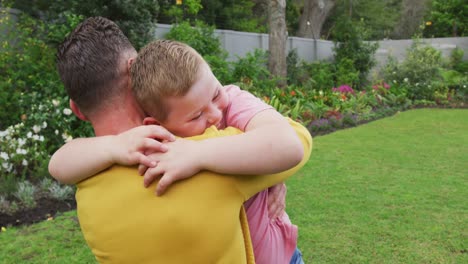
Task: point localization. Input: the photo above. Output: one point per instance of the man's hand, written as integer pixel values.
(276, 200)
(131, 147)
(179, 162)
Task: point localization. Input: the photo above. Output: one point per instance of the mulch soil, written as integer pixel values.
(45, 208)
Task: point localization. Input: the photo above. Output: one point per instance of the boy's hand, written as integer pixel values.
(179, 162)
(130, 147)
(276, 200)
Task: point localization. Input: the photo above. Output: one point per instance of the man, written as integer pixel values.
(121, 221)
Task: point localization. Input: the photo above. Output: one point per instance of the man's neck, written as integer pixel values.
(116, 121)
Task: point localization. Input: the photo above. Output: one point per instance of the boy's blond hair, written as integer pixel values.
(162, 69)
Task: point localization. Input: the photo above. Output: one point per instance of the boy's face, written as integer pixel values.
(203, 106)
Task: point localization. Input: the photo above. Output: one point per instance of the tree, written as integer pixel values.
(411, 18)
(447, 19)
(314, 15)
(277, 39)
(377, 17)
(135, 18)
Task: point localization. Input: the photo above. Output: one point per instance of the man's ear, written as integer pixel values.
(150, 121)
(76, 110)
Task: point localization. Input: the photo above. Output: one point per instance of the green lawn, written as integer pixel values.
(391, 191)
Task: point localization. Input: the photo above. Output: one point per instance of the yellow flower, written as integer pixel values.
(3, 229)
(428, 23)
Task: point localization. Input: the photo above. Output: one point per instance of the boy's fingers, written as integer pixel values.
(146, 162)
(151, 174)
(163, 184)
(142, 169)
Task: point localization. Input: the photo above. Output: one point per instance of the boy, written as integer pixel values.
(176, 88)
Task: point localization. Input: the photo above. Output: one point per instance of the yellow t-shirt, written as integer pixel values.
(198, 220)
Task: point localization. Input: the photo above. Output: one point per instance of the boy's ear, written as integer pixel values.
(76, 110)
(150, 121)
(129, 63)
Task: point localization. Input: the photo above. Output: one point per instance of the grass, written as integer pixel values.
(55, 242)
(391, 191)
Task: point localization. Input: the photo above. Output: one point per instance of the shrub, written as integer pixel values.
(418, 73)
(26, 194)
(59, 192)
(34, 118)
(349, 45)
(320, 75)
(201, 37)
(8, 207)
(251, 73)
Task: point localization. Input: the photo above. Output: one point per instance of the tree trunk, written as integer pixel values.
(277, 39)
(314, 15)
(412, 16)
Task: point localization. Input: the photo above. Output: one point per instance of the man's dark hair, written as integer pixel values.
(89, 60)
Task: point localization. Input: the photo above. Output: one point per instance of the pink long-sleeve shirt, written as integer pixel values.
(274, 241)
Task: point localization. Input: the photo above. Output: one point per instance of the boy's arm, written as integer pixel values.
(269, 145)
(81, 158)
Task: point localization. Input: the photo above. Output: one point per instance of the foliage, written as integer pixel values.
(35, 119)
(447, 19)
(178, 13)
(320, 75)
(346, 73)
(201, 37)
(135, 18)
(418, 73)
(251, 73)
(26, 194)
(60, 192)
(369, 14)
(349, 45)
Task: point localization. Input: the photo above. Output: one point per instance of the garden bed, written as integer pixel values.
(45, 209)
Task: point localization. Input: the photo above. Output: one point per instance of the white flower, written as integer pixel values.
(417, 84)
(464, 86)
(4, 156)
(29, 135)
(67, 111)
(19, 151)
(321, 92)
(56, 132)
(21, 141)
(44, 124)
(7, 166)
(55, 102)
(66, 137)
(406, 79)
(41, 138)
(36, 129)
(3, 133)
(35, 137)
(394, 72)
(394, 81)
(24, 163)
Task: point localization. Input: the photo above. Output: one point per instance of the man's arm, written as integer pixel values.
(81, 158)
(269, 145)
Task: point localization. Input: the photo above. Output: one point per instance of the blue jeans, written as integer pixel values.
(297, 257)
